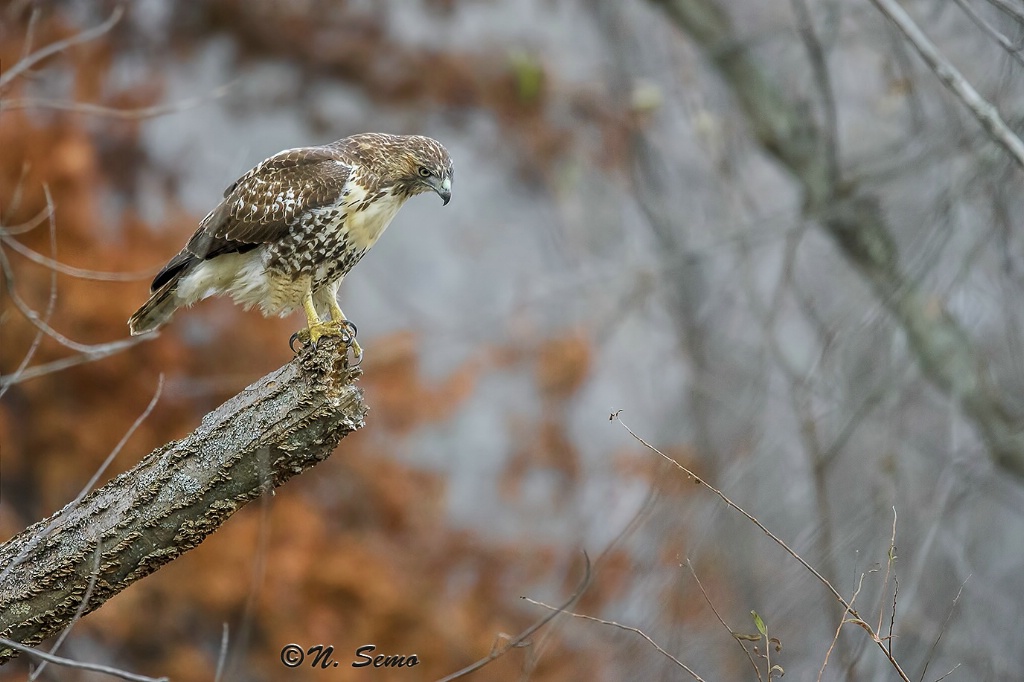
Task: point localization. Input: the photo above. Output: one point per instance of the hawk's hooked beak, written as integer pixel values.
(443, 187)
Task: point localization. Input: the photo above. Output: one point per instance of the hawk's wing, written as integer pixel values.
(262, 205)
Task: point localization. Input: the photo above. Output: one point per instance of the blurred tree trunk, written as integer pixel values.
(853, 217)
(68, 565)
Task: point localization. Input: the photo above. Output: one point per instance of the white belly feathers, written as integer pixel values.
(246, 278)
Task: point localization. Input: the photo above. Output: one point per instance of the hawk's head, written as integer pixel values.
(408, 164)
(426, 166)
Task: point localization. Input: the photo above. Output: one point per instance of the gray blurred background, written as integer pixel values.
(764, 231)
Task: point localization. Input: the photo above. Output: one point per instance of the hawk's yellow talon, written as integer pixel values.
(357, 350)
(316, 331)
(339, 318)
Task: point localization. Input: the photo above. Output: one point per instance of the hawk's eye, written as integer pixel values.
(425, 172)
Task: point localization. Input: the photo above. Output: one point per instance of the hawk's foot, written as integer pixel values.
(312, 334)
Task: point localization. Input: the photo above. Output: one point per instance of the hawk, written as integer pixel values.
(289, 230)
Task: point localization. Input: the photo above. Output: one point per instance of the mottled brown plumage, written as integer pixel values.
(289, 230)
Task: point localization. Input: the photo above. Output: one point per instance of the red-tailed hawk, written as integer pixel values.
(289, 230)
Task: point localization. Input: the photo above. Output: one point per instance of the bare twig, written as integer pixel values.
(1013, 10)
(629, 628)
(839, 628)
(16, 196)
(521, 638)
(81, 273)
(855, 617)
(223, 656)
(890, 560)
(51, 304)
(1004, 42)
(938, 638)
(819, 64)
(750, 517)
(732, 633)
(538, 645)
(59, 46)
(68, 663)
(33, 317)
(27, 226)
(983, 111)
(30, 30)
(36, 371)
(892, 616)
(139, 113)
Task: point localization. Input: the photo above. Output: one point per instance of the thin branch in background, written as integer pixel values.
(983, 111)
(888, 569)
(92, 481)
(732, 633)
(78, 665)
(819, 65)
(135, 114)
(30, 30)
(1009, 8)
(839, 628)
(78, 613)
(521, 639)
(124, 440)
(858, 416)
(892, 617)
(15, 201)
(258, 570)
(935, 644)
(736, 507)
(36, 371)
(538, 646)
(628, 628)
(1004, 42)
(59, 46)
(33, 317)
(51, 304)
(223, 656)
(855, 617)
(27, 226)
(87, 353)
(855, 219)
(80, 273)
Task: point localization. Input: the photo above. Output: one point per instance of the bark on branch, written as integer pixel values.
(854, 218)
(283, 424)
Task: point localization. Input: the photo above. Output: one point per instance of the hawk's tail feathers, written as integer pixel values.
(155, 312)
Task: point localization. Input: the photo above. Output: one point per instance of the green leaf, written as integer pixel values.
(761, 627)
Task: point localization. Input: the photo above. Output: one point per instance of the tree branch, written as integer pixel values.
(283, 424)
(59, 46)
(854, 218)
(981, 109)
(79, 665)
